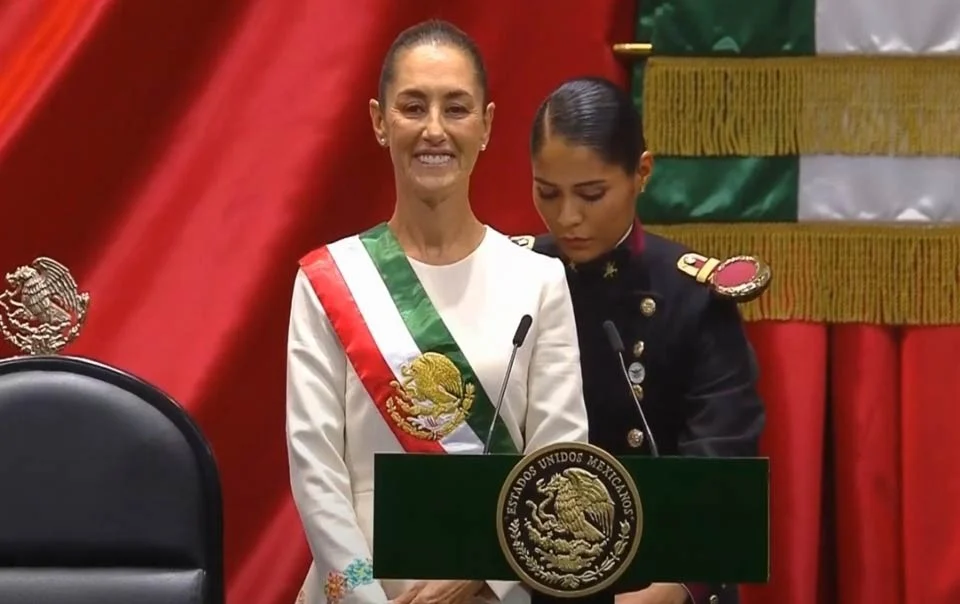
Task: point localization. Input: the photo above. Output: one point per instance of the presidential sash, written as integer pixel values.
(407, 360)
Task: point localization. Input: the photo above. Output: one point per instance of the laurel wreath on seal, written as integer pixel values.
(569, 580)
(39, 339)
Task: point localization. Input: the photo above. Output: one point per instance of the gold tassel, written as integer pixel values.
(842, 273)
(822, 105)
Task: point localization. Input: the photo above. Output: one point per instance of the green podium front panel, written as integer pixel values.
(704, 519)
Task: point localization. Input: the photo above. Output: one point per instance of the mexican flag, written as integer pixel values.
(822, 135)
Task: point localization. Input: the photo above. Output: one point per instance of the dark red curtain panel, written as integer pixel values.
(863, 437)
(867, 444)
(897, 467)
(180, 155)
(793, 383)
(930, 446)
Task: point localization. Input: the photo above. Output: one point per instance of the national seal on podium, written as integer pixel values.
(569, 519)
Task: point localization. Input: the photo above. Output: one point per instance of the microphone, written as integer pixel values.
(613, 336)
(518, 337)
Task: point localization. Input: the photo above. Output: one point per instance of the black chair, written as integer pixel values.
(109, 493)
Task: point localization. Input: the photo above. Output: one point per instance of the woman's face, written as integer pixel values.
(586, 203)
(433, 120)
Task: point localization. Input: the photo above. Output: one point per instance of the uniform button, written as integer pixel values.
(714, 600)
(638, 391)
(635, 438)
(648, 307)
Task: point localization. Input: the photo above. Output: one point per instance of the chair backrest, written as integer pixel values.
(109, 492)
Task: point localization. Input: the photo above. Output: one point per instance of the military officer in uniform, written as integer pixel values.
(688, 360)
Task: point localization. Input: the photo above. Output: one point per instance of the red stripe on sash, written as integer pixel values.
(358, 343)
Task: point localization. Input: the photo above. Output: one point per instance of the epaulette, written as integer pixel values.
(741, 278)
(524, 240)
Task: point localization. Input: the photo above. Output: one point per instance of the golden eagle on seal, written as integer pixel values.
(48, 293)
(42, 311)
(583, 506)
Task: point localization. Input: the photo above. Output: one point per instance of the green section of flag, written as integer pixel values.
(727, 189)
(748, 28)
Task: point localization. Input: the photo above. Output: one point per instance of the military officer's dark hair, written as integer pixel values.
(596, 113)
(434, 31)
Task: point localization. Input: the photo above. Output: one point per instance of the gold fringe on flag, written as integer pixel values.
(823, 105)
(842, 273)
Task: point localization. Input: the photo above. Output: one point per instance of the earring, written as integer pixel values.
(383, 141)
(483, 147)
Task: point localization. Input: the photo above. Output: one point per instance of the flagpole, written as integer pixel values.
(633, 50)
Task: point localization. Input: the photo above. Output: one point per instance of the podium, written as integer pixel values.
(699, 520)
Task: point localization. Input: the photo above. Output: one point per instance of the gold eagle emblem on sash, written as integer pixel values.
(433, 399)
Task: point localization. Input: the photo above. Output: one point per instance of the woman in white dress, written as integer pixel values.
(432, 289)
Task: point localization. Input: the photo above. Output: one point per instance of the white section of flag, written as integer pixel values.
(875, 188)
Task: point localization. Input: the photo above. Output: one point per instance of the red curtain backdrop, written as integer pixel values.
(180, 155)
(865, 464)
(793, 384)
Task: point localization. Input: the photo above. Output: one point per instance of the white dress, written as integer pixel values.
(334, 428)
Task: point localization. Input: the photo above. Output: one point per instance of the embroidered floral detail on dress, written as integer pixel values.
(335, 587)
(359, 572)
(339, 584)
